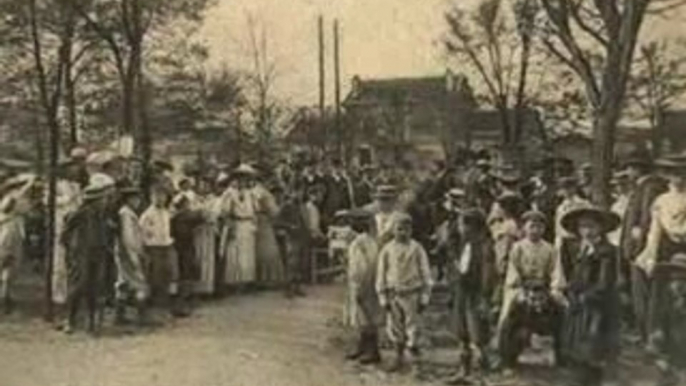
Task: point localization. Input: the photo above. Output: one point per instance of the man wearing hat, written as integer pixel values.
(132, 262)
(647, 186)
(590, 336)
(364, 187)
(622, 184)
(665, 242)
(69, 198)
(339, 191)
(86, 236)
(160, 178)
(480, 185)
(447, 235)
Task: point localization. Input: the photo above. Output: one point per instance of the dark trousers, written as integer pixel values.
(640, 296)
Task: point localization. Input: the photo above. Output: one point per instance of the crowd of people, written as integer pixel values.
(522, 252)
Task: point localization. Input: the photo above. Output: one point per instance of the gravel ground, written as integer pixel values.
(257, 339)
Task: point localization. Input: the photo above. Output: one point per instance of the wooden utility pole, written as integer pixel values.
(322, 81)
(337, 87)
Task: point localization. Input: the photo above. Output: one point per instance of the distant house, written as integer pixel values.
(674, 130)
(423, 117)
(578, 146)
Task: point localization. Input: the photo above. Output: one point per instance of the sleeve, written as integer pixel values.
(648, 257)
(558, 282)
(512, 278)
(425, 272)
(130, 238)
(488, 271)
(606, 277)
(147, 225)
(381, 285)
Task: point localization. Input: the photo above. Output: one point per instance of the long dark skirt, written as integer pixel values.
(590, 333)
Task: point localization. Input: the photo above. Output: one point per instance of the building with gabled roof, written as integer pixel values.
(426, 117)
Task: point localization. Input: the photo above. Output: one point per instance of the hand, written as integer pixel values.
(636, 233)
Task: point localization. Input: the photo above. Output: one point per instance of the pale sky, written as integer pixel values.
(379, 38)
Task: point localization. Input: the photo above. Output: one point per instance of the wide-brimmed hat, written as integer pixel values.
(386, 192)
(96, 191)
(609, 221)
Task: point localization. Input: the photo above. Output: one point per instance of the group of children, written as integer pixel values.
(568, 293)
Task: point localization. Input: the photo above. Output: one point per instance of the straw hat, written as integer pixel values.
(608, 221)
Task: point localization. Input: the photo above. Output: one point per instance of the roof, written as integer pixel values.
(424, 90)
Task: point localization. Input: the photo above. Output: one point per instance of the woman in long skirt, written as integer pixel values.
(239, 209)
(270, 270)
(206, 243)
(589, 337)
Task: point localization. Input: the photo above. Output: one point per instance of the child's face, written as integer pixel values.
(402, 231)
(159, 200)
(589, 229)
(134, 202)
(534, 230)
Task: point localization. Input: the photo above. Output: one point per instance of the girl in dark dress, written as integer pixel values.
(590, 332)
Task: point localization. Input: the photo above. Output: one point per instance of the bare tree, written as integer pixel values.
(260, 82)
(499, 47)
(603, 66)
(658, 81)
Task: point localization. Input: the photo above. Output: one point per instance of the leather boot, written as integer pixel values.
(399, 360)
(360, 349)
(371, 355)
(120, 314)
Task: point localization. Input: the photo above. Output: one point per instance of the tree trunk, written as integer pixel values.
(604, 127)
(70, 101)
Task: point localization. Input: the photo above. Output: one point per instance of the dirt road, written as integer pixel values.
(259, 339)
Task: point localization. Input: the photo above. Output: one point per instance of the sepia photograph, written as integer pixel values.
(342, 192)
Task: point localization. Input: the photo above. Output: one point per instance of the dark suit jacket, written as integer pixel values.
(480, 278)
(337, 195)
(638, 214)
